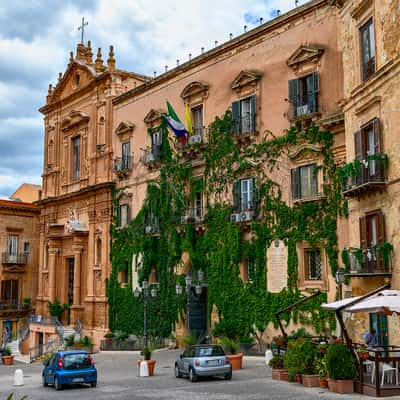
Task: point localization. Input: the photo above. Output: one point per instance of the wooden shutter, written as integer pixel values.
(254, 194)
(294, 92)
(380, 227)
(253, 112)
(314, 179)
(363, 232)
(236, 117)
(118, 215)
(236, 196)
(296, 189)
(377, 135)
(312, 90)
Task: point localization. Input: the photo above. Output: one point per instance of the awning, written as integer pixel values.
(387, 301)
(340, 303)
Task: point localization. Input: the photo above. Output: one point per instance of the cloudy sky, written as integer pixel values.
(37, 35)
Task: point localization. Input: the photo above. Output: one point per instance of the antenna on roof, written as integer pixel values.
(202, 50)
(155, 73)
(177, 63)
(230, 36)
(278, 12)
(261, 20)
(216, 43)
(296, 2)
(245, 28)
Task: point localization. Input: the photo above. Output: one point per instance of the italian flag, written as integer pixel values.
(175, 124)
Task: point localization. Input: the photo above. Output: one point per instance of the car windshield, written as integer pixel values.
(211, 351)
(76, 361)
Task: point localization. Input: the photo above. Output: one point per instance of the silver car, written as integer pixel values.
(203, 360)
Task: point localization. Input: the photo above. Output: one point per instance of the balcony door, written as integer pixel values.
(9, 293)
(12, 248)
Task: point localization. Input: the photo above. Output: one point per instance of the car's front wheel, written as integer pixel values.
(192, 375)
(177, 372)
(57, 384)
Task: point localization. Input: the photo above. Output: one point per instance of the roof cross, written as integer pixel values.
(82, 28)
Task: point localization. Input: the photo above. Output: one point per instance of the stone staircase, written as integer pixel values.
(14, 347)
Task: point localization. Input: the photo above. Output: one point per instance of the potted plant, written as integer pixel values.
(363, 353)
(323, 347)
(8, 358)
(279, 340)
(70, 342)
(293, 362)
(87, 344)
(231, 348)
(26, 303)
(147, 358)
(277, 363)
(308, 354)
(341, 367)
(320, 368)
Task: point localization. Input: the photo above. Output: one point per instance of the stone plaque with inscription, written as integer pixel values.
(277, 259)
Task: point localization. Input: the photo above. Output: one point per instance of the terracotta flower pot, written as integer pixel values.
(363, 355)
(151, 365)
(236, 360)
(310, 380)
(8, 360)
(323, 383)
(280, 374)
(297, 378)
(344, 386)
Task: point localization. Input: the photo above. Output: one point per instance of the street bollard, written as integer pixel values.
(268, 357)
(18, 377)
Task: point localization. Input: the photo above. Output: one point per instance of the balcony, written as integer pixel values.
(152, 157)
(10, 306)
(371, 261)
(122, 166)
(14, 259)
(193, 216)
(368, 176)
(244, 128)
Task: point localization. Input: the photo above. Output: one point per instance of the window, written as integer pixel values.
(156, 142)
(367, 143)
(243, 194)
(12, 245)
(126, 155)
(76, 157)
(70, 271)
(125, 274)
(304, 182)
(198, 206)
(27, 247)
(251, 269)
(123, 215)
(303, 94)
(244, 115)
(313, 265)
(367, 40)
(9, 292)
(197, 114)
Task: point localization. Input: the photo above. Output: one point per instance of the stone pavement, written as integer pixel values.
(118, 380)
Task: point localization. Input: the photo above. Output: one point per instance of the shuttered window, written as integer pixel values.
(156, 142)
(372, 229)
(76, 157)
(126, 155)
(367, 43)
(123, 215)
(303, 94)
(304, 182)
(244, 198)
(244, 115)
(9, 291)
(197, 114)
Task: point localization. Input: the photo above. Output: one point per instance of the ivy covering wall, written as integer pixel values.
(220, 249)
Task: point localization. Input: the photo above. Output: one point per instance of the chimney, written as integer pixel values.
(111, 59)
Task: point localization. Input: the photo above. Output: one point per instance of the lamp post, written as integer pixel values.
(146, 294)
(188, 286)
(339, 278)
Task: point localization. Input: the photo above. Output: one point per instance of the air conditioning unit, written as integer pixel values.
(246, 216)
(150, 158)
(195, 139)
(184, 219)
(149, 229)
(235, 217)
(302, 110)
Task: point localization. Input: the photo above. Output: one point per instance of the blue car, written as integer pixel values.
(69, 368)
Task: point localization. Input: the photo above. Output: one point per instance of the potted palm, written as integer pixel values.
(8, 358)
(231, 347)
(277, 363)
(341, 367)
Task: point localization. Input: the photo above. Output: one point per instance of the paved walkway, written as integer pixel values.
(118, 380)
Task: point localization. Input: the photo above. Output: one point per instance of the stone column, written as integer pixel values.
(77, 275)
(52, 273)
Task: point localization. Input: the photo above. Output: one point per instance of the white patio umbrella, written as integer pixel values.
(340, 303)
(387, 301)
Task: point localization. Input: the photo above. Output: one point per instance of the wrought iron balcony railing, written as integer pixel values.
(194, 215)
(370, 261)
(122, 164)
(17, 258)
(372, 176)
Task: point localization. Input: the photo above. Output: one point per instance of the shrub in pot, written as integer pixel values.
(293, 360)
(320, 368)
(147, 358)
(341, 367)
(231, 348)
(8, 358)
(87, 344)
(277, 363)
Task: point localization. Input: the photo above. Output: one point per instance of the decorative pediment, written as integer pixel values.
(304, 148)
(195, 89)
(74, 119)
(77, 75)
(125, 128)
(153, 117)
(246, 78)
(305, 54)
